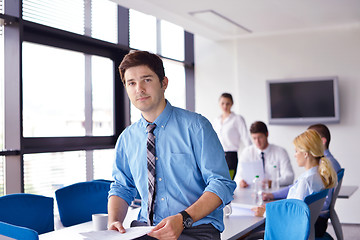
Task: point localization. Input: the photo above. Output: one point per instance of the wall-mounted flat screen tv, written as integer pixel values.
(303, 100)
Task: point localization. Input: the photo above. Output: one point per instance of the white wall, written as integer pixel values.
(241, 67)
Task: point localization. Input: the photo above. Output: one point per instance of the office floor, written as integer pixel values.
(350, 231)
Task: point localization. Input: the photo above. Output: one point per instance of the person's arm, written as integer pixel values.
(171, 227)
(286, 170)
(244, 157)
(117, 209)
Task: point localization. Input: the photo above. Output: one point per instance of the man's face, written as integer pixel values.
(260, 140)
(225, 104)
(144, 89)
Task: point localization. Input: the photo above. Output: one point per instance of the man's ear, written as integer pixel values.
(323, 140)
(165, 83)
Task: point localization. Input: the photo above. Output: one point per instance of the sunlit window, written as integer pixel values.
(104, 20)
(142, 31)
(172, 41)
(46, 172)
(175, 91)
(53, 92)
(102, 96)
(103, 162)
(67, 15)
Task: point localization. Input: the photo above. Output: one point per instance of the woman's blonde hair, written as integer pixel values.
(310, 141)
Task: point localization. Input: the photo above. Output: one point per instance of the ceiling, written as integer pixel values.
(230, 19)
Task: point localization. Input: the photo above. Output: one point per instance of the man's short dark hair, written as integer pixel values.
(323, 131)
(138, 58)
(259, 127)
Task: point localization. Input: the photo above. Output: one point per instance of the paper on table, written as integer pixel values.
(239, 209)
(130, 233)
(250, 170)
(242, 209)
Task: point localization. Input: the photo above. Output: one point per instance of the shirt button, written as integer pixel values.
(162, 126)
(162, 199)
(156, 158)
(160, 179)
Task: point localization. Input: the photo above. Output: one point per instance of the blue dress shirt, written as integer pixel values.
(189, 161)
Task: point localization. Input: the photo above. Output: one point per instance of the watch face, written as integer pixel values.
(188, 222)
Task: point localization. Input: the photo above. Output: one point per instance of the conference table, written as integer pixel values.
(240, 223)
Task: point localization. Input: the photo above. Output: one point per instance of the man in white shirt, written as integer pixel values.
(265, 156)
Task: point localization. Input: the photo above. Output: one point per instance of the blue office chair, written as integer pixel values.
(28, 210)
(315, 201)
(287, 219)
(77, 202)
(16, 232)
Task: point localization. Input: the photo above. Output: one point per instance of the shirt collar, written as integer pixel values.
(265, 151)
(162, 119)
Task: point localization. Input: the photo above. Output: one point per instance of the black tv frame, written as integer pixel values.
(304, 120)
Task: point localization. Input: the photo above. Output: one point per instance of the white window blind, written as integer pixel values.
(2, 6)
(67, 15)
(46, 172)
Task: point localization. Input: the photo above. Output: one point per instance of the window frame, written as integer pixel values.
(23, 30)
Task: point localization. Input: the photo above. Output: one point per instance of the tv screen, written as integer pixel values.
(303, 101)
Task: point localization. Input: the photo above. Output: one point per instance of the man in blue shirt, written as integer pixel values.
(192, 182)
(322, 221)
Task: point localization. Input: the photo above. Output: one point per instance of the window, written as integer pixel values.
(53, 92)
(103, 162)
(172, 41)
(104, 13)
(67, 15)
(46, 172)
(142, 31)
(102, 96)
(72, 105)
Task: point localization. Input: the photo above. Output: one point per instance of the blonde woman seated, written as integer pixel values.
(309, 153)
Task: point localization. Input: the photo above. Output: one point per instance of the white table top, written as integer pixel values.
(236, 225)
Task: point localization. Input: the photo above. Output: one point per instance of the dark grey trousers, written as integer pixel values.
(201, 232)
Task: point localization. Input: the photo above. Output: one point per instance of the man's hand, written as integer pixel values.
(243, 184)
(169, 228)
(117, 226)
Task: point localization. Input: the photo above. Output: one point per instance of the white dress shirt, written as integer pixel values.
(274, 156)
(308, 182)
(231, 132)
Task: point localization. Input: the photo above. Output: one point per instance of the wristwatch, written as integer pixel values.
(187, 220)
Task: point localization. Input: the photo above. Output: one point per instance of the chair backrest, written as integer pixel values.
(315, 201)
(340, 176)
(28, 210)
(77, 202)
(16, 232)
(287, 218)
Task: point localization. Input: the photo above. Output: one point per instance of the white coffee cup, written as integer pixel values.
(227, 210)
(100, 221)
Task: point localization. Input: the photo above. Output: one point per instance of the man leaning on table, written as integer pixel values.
(191, 181)
(269, 155)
